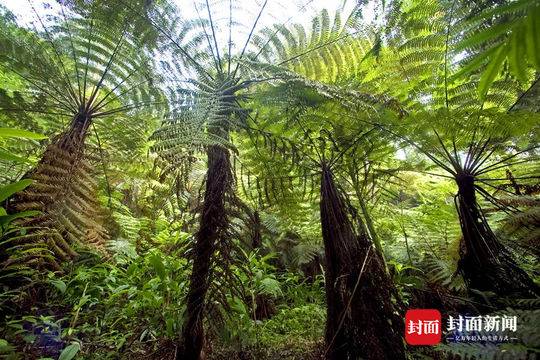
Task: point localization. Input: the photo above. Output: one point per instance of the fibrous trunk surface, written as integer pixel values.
(213, 227)
(486, 264)
(64, 191)
(362, 318)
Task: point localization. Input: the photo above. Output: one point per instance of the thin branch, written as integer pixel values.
(451, 159)
(316, 48)
(97, 106)
(249, 37)
(73, 56)
(184, 52)
(523, 95)
(207, 38)
(59, 57)
(506, 179)
(481, 159)
(503, 166)
(349, 302)
(363, 135)
(106, 70)
(446, 54)
(493, 200)
(491, 166)
(230, 39)
(35, 111)
(127, 108)
(109, 192)
(87, 61)
(220, 69)
(64, 102)
(277, 31)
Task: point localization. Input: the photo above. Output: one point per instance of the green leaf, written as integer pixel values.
(5, 347)
(512, 7)
(59, 284)
(533, 36)
(270, 286)
(69, 352)
(10, 189)
(484, 35)
(474, 64)
(516, 51)
(4, 155)
(6, 219)
(238, 306)
(156, 262)
(491, 72)
(18, 133)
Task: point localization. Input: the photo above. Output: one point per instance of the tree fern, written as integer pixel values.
(221, 76)
(508, 33)
(82, 70)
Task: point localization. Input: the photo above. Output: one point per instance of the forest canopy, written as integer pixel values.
(260, 179)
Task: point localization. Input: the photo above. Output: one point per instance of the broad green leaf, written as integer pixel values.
(533, 36)
(512, 7)
(18, 133)
(474, 64)
(515, 55)
(59, 284)
(156, 262)
(238, 306)
(484, 35)
(69, 352)
(5, 347)
(4, 155)
(6, 219)
(170, 326)
(270, 286)
(491, 72)
(10, 189)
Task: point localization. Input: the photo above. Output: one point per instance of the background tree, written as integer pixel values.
(352, 329)
(434, 59)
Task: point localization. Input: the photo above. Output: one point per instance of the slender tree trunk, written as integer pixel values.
(366, 214)
(406, 237)
(362, 320)
(369, 222)
(213, 226)
(485, 263)
(256, 236)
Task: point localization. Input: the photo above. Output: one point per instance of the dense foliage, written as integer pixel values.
(203, 181)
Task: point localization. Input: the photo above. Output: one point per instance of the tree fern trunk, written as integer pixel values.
(361, 312)
(485, 263)
(256, 236)
(213, 225)
(72, 141)
(63, 190)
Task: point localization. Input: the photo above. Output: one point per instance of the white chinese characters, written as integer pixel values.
(423, 327)
(479, 323)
